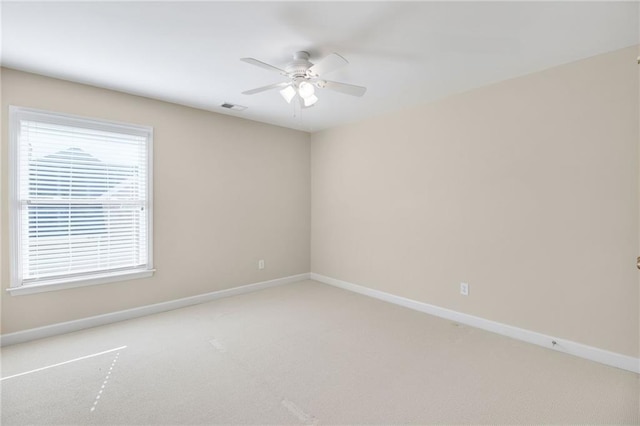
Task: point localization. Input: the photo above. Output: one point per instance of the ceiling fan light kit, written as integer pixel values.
(310, 100)
(288, 93)
(304, 77)
(305, 89)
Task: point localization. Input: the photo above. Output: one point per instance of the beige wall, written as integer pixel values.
(227, 193)
(526, 189)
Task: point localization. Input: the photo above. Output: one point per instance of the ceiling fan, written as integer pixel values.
(304, 77)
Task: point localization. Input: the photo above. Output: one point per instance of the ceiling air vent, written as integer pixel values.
(233, 106)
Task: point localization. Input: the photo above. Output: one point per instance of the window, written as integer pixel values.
(80, 201)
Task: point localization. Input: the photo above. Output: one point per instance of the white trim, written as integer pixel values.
(149, 197)
(602, 356)
(82, 281)
(15, 267)
(81, 120)
(81, 324)
(17, 285)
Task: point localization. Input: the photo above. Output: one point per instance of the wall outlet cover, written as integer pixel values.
(464, 289)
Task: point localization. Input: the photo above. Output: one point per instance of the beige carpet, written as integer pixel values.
(305, 353)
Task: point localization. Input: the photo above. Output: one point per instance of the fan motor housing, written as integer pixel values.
(299, 66)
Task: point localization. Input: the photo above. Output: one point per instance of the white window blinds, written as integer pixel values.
(81, 206)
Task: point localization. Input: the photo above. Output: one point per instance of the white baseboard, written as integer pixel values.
(602, 356)
(81, 324)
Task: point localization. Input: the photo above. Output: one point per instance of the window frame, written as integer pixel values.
(17, 286)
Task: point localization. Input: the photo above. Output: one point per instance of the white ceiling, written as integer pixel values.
(405, 53)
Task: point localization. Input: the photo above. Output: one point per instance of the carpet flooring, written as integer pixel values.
(304, 353)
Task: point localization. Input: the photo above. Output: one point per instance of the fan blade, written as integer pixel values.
(347, 89)
(265, 88)
(327, 64)
(261, 64)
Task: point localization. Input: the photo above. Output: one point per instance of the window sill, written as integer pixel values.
(54, 285)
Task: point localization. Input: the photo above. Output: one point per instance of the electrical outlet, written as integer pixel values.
(464, 289)
(261, 264)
